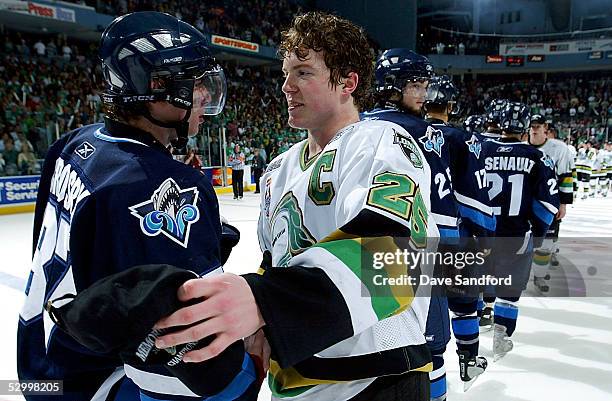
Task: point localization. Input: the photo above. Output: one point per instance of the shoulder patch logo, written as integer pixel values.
(548, 162)
(85, 150)
(342, 132)
(474, 146)
(170, 211)
(409, 148)
(274, 165)
(433, 140)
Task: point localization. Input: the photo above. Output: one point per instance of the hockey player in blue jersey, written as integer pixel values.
(490, 130)
(477, 226)
(465, 161)
(525, 200)
(402, 77)
(112, 197)
(474, 124)
(492, 118)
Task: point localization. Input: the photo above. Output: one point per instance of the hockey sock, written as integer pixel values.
(465, 329)
(541, 262)
(505, 313)
(603, 185)
(479, 307)
(483, 301)
(586, 188)
(437, 377)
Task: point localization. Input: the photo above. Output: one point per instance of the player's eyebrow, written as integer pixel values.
(298, 66)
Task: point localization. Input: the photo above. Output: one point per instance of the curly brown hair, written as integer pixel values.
(345, 49)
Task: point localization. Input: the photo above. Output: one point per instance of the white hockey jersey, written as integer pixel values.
(584, 161)
(323, 220)
(564, 165)
(600, 161)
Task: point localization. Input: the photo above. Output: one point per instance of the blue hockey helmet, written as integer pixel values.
(441, 91)
(474, 123)
(493, 111)
(515, 118)
(396, 67)
(151, 56)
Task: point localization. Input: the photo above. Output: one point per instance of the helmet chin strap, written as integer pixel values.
(181, 127)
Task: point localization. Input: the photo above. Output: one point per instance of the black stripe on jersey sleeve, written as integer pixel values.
(304, 312)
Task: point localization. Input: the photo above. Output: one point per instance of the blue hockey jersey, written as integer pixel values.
(470, 188)
(432, 143)
(523, 191)
(110, 198)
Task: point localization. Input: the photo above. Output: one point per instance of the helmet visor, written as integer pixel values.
(210, 90)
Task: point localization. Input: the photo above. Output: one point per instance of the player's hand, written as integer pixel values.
(228, 311)
(562, 211)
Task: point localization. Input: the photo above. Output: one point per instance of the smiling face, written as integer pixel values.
(313, 103)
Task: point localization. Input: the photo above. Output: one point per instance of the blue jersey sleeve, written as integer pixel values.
(545, 201)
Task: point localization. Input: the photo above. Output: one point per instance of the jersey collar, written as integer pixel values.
(120, 130)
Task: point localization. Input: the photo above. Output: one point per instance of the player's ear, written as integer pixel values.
(349, 84)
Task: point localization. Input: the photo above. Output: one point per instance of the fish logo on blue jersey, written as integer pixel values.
(474, 146)
(170, 211)
(548, 162)
(433, 140)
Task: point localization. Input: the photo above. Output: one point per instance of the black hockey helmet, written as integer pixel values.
(139, 48)
(515, 118)
(474, 123)
(493, 111)
(441, 91)
(396, 67)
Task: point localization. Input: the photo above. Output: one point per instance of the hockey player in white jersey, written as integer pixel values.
(573, 154)
(564, 165)
(584, 169)
(334, 333)
(607, 160)
(599, 181)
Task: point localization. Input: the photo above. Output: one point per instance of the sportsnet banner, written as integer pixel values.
(18, 191)
(39, 10)
(566, 47)
(222, 41)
